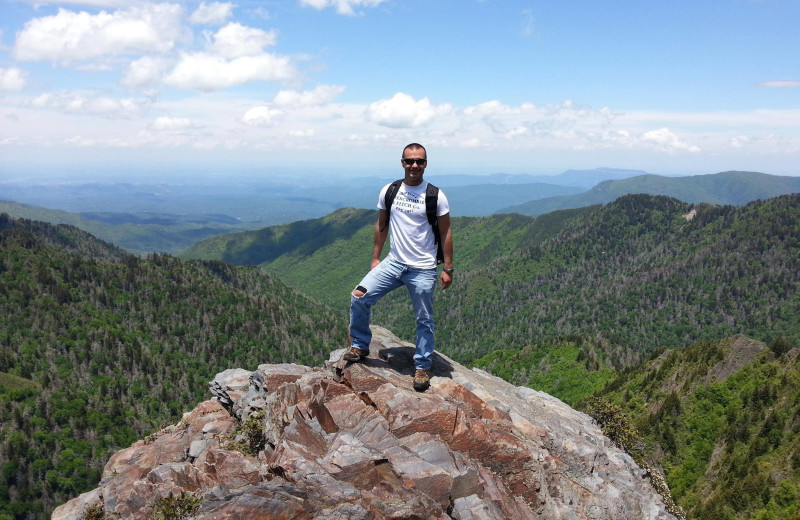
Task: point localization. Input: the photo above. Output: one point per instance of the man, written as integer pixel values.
(411, 262)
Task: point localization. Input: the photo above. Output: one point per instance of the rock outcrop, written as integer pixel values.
(357, 442)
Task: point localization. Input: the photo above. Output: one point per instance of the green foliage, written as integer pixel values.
(569, 368)
(615, 425)
(98, 348)
(176, 507)
(637, 272)
(723, 420)
(249, 436)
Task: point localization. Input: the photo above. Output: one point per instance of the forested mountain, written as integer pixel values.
(722, 418)
(644, 271)
(326, 257)
(734, 187)
(99, 347)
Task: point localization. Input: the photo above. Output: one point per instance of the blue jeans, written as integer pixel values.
(388, 276)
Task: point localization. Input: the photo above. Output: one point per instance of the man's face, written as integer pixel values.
(416, 169)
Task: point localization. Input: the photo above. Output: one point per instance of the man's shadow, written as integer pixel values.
(401, 359)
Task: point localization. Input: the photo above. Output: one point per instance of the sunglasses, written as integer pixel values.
(409, 162)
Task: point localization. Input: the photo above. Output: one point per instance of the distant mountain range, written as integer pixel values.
(734, 187)
(169, 218)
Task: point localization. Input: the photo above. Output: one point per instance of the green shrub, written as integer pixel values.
(176, 507)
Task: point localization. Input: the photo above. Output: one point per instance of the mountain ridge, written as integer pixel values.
(594, 270)
(732, 187)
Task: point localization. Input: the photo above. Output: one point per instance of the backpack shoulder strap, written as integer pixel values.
(388, 199)
(431, 203)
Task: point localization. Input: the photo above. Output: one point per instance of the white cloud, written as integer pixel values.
(261, 116)
(303, 133)
(201, 71)
(70, 36)
(94, 3)
(235, 55)
(664, 140)
(76, 103)
(212, 13)
(144, 72)
(171, 123)
(528, 23)
(739, 141)
(321, 95)
(12, 79)
(235, 40)
(780, 84)
(402, 111)
(342, 6)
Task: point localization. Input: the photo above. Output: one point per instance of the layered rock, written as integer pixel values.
(357, 442)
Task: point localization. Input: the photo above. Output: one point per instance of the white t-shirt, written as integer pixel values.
(410, 236)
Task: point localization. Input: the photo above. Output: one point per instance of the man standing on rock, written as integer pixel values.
(418, 223)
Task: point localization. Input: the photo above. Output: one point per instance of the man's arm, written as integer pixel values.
(446, 237)
(380, 238)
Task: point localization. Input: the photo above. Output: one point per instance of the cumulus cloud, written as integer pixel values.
(12, 79)
(206, 72)
(321, 95)
(235, 55)
(303, 133)
(564, 120)
(664, 140)
(76, 103)
(70, 36)
(144, 72)
(212, 13)
(402, 111)
(261, 116)
(236, 40)
(781, 84)
(345, 7)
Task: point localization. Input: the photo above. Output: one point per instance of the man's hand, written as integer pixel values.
(375, 262)
(446, 280)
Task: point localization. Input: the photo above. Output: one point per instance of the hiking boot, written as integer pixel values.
(355, 354)
(422, 380)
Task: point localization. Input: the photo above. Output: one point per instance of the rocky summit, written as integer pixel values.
(356, 442)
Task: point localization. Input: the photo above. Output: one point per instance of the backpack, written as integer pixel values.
(431, 201)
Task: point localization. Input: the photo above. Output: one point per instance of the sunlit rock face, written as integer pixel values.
(355, 441)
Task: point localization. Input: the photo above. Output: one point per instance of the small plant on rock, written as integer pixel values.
(176, 507)
(94, 512)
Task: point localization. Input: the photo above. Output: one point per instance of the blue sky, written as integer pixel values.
(109, 87)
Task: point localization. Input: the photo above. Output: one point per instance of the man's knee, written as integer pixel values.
(360, 291)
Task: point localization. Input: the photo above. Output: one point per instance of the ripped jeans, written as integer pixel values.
(388, 276)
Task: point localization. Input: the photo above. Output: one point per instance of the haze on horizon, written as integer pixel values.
(120, 88)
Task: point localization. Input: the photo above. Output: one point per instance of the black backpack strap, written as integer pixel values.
(388, 199)
(431, 203)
